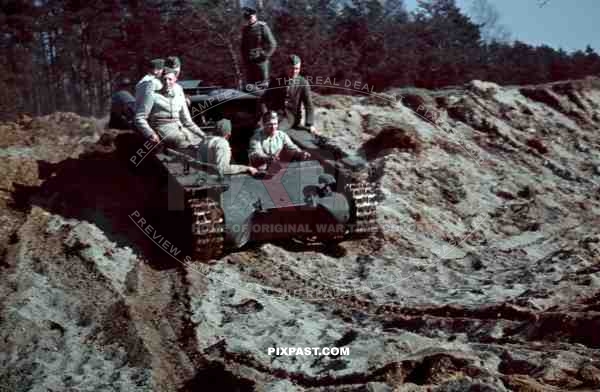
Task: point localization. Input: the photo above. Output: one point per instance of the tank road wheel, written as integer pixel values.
(363, 205)
(208, 229)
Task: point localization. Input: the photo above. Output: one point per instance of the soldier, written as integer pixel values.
(174, 63)
(268, 144)
(151, 79)
(216, 150)
(258, 45)
(122, 107)
(164, 114)
(287, 94)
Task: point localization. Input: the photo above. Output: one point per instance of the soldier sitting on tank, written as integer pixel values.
(122, 107)
(150, 81)
(163, 115)
(269, 144)
(217, 151)
(174, 63)
(287, 94)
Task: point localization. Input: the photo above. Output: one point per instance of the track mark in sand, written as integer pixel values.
(150, 301)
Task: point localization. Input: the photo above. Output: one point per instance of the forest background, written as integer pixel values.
(69, 55)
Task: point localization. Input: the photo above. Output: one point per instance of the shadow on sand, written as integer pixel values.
(102, 187)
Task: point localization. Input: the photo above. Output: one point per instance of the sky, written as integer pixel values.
(566, 24)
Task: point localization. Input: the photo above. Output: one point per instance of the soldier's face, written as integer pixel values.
(294, 70)
(170, 80)
(271, 126)
(252, 19)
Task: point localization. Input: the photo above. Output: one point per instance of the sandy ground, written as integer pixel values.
(484, 276)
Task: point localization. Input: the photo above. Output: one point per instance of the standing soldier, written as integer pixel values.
(286, 96)
(258, 45)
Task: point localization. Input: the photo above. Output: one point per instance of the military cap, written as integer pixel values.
(156, 64)
(168, 70)
(173, 62)
(248, 11)
(294, 59)
(223, 127)
(269, 115)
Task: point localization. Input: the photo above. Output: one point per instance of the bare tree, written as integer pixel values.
(486, 15)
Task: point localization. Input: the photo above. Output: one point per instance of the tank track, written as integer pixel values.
(208, 229)
(363, 198)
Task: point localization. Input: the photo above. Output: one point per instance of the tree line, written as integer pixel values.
(67, 55)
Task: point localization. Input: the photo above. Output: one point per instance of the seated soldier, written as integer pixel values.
(268, 144)
(150, 81)
(164, 115)
(174, 63)
(122, 107)
(217, 151)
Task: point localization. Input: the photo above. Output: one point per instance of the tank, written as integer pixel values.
(326, 199)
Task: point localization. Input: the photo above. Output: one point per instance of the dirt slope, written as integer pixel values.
(485, 275)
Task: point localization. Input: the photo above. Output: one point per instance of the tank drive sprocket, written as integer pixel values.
(208, 229)
(363, 201)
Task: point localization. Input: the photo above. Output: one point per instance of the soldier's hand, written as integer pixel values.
(313, 130)
(252, 170)
(305, 155)
(154, 138)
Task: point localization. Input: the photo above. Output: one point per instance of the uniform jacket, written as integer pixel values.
(258, 43)
(167, 115)
(286, 96)
(122, 110)
(147, 82)
(218, 152)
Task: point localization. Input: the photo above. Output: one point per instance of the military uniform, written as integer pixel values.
(179, 90)
(258, 45)
(264, 147)
(286, 97)
(168, 115)
(218, 152)
(122, 110)
(149, 83)
(173, 62)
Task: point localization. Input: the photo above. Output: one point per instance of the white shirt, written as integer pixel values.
(219, 154)
(263, 146)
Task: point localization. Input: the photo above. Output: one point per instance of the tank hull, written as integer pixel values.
(325, 199)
